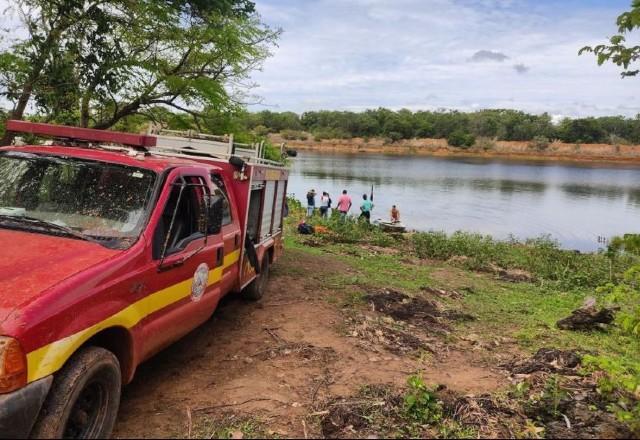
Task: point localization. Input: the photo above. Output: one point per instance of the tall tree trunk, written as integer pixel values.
(84, 110)
(18, 111)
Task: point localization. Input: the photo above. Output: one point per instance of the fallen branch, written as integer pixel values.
(227, 405)
(587, 318)
(284, 303)
(189, 422)
(274, 335)
(359, 402)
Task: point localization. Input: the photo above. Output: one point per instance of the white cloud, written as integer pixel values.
(358, 54)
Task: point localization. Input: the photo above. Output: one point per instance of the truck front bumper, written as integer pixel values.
(19, 410)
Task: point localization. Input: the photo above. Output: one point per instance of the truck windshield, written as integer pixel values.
(83, 199)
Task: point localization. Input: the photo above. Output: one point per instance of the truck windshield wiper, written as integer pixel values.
(48, 225)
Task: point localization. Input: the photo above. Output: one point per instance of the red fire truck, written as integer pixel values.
(113, 246)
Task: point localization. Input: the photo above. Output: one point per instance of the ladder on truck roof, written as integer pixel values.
(161, 143)
(171, 142)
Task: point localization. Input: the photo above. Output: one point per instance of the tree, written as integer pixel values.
(27, 61)
(586, 130)
(121, 58)
(617, 51)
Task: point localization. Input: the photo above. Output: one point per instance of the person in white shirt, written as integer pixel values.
(325, 204)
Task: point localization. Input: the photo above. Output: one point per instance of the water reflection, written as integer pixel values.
(575, 204)
(633, 198)
(588, 191)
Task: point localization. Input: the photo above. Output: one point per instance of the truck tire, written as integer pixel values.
(84, 398)
(258, 286)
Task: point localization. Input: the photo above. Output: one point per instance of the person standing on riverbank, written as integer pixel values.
(325, 204)
(344, 204)
(365, 208)
(311, 202)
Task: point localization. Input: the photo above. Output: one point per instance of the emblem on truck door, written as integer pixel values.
(200, 281)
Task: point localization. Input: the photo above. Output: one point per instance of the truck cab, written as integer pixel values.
(109, 254)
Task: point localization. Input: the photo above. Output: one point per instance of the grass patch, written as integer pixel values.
(384, 270)
(230, 426)
(542, 257)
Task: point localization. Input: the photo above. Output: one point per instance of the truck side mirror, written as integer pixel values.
(214, 215)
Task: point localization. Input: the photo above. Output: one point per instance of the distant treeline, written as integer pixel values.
(459, 128)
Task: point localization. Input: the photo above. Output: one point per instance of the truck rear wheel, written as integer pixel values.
(258, 286)
(84, 399)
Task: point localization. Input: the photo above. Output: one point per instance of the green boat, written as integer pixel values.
(392, 227)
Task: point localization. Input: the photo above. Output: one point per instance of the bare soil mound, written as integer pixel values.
(415, 310)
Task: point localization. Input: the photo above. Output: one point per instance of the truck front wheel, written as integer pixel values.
(258, 286)
(84, 399)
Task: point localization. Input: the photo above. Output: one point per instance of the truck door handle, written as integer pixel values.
(219, 256)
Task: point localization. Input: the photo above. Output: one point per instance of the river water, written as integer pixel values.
(574, 204)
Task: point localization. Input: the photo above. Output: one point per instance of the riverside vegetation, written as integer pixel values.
(460, 129)
(516, 289)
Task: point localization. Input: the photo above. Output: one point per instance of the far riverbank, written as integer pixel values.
(554, 152)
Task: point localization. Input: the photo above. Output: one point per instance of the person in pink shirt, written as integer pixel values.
(344, 204)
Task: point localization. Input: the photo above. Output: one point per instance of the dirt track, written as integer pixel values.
(278, 358)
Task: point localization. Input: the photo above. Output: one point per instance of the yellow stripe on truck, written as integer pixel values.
(50, 358)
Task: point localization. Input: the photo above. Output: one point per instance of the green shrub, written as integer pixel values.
(292, 135)
(628, 243)
(393, 137)
(461, 139)
(328, 133)
(540, 143)
(421, 403)
(288, 134)
(619, 384)
(626, 295)
(261, 131)
(272, 152)
(614, 139)
(485, 143)
(295, 205)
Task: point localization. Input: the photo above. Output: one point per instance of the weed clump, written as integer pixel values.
(421, 404)
(353, 231)
(542, 257)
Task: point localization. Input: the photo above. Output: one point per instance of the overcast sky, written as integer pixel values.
(454, 54)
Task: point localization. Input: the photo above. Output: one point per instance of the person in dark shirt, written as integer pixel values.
(311, 202)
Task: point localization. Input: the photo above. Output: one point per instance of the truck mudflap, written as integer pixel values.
(19, 410)
(252, 255)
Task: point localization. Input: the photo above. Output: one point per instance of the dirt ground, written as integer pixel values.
(275, 360)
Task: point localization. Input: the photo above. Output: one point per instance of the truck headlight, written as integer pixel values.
(13, 365)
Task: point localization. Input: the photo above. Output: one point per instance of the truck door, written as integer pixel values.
(187, 260)
(230, 234)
